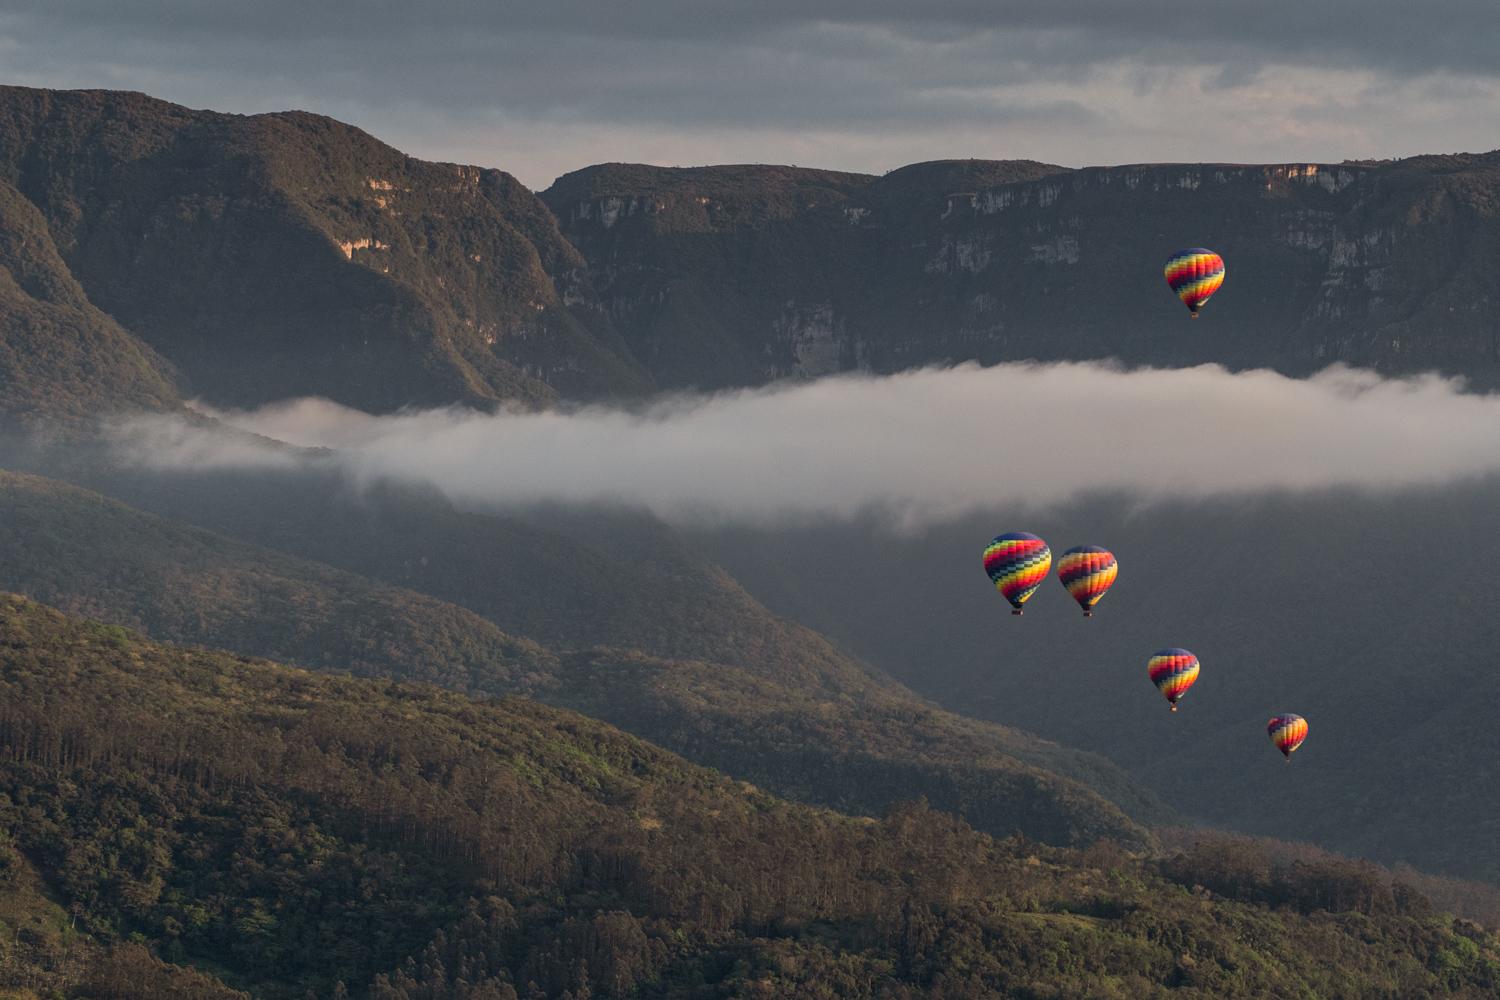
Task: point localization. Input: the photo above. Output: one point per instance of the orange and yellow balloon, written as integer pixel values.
(1287, 732)
(1173, 671)
(1017, 563)
(1195, 275)
(1087, 571)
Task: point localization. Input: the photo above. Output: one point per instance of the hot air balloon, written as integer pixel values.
(1173, 671)
(1287, 732)
(1195, 275)
(1017, 563)
(1087, 571)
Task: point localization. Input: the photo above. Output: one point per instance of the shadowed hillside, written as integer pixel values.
(833, 736)
(281, 255)
(60, 356)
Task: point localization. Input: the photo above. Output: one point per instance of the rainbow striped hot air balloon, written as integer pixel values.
(1195, 275)
(1287, 732)
(1173, 671)
(1017, 563)
(1087, 571)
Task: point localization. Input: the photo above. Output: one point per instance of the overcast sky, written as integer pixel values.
(540, 88)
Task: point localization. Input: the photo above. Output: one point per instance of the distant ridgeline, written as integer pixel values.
(268, 830)
(734, 275)
(156, 251)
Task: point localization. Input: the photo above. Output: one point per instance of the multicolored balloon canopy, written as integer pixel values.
(1087, 571)
(1017, 563)
(1173, 671)
(1195, 275)
(1287, 732)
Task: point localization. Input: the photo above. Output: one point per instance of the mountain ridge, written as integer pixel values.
(1375, 265)
(246, 259)
(288, 254)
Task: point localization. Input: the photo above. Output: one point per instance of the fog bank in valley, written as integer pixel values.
(923, 446)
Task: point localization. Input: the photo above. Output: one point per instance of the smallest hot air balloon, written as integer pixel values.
(1287, 732)
(1173, 671)
(1017, 563)
(1194, 275)
(1087, 571)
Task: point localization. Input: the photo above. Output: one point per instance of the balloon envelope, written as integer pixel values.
(1087, 571)
(1287, 732)
(1195, 274)
(1173, 671)
(1017, 563)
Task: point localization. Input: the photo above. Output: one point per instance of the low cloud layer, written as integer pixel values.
(922, 446)
(539, 88)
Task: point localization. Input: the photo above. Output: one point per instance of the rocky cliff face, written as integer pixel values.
(733, 276)
(288, 254)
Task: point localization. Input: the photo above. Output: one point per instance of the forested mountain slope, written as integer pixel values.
(297, 832)
(859, 746)
(60, 356)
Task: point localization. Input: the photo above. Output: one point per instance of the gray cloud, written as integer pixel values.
(538, 88)
(1454, 35)
(923, 447)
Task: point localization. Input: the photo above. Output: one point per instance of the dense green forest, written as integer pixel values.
(284, 832)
